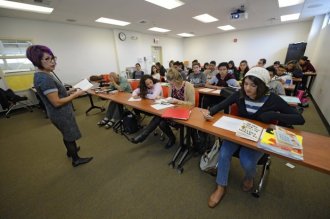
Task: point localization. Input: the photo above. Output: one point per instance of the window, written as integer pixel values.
(12, 56)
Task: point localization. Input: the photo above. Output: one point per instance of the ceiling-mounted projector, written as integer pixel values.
(239, 14)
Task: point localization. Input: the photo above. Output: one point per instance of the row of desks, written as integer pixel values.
(316, 147)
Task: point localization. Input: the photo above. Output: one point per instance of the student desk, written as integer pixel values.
(316, 147)
(312, 76)
(214, 92)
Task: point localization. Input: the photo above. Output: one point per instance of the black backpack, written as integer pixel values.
(130, 123)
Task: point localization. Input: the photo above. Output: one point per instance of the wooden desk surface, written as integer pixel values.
(316, 147)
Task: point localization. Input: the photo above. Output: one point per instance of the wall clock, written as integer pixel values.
(122, 36)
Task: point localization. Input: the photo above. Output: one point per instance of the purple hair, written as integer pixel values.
(35, 53)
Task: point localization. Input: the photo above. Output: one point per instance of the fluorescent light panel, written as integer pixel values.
(168, 4)
(286, 3)
(157, 29)
(226, 27)
(290, 17)
(186, 34)
(112, 21)
(205, 18)
(25, 7)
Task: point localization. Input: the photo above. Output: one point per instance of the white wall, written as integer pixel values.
(137, 46)
(319, 56)
(81, 51)
(270, 43)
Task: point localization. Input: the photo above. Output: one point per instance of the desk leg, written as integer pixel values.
(185, 152)
(92, 105)
(310, 83)
(180, 149)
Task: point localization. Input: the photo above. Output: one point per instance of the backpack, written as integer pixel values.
(209, 160)
(130, 123)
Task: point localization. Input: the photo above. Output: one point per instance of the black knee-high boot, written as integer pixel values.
(147, 130)
(71, 146)
(164, 126)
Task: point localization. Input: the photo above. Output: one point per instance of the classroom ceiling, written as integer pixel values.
(261, 13)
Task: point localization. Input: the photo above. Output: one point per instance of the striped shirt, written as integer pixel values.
(253, 106)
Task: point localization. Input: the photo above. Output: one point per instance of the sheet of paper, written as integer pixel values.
(290, 99)
(206, 89)
(159, 106)
(290, 165)
(228, 123)
(133, 99)
(84, 85)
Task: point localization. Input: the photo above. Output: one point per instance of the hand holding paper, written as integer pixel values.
(83, 85)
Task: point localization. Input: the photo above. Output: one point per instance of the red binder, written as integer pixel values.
(177, 113)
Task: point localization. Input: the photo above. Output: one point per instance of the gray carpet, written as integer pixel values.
(133, 181)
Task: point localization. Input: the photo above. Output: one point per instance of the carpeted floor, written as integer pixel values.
(134, 181)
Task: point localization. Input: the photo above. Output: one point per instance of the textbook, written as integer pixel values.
(287, 138)
(269, 142)
(177, 113)
(249, 131)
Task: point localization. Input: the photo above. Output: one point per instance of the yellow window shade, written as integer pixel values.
(20, 81)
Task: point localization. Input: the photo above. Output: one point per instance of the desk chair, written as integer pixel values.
(17, 101)
(264, 161)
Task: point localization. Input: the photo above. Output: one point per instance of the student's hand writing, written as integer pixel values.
(136, 97)
(173, 100)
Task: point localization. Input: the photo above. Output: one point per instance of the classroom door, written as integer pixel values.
(156, 52)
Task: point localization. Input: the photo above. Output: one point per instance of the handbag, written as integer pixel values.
(209, 160)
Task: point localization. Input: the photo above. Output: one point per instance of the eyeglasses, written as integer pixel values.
(49, 59)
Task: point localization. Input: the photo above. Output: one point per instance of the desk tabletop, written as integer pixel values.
(316, 147)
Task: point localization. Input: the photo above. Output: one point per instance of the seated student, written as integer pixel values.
(242, 69)
(137, 74)
(254, 102)
(276, 64)
(282, 75)
(190, 70)
(182, 93)
(211, 70)
(294, 69)
(261, 63)
(115, 110)
(161, 70)
(155, 73)
(180, 68)
(205, 67)
(149, 88)
(197, 78)
(306, 66)
(222, 79)
(274, 85)
(232, 68)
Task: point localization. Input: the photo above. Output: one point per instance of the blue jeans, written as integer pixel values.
(248, 158)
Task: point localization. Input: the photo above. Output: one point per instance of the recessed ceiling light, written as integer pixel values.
(226, 27)
(205, 18)
(286, 3)
(290, 17)
(25, 7)
(168, 4)
(112, 21)
(157, 29)
(186, 34)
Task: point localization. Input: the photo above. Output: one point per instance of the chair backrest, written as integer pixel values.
(134, 84)
(165, 91)
(196, 98)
